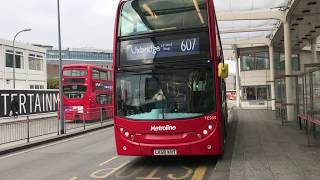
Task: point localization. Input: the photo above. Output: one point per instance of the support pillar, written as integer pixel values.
(314, 50)
(237, 77)
(288, 71)
(272, 75)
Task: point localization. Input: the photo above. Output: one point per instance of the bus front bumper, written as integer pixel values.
(206, 146)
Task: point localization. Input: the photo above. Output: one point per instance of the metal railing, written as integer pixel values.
(307, 100)
(28, 127)
(281, 100)
(92, 118)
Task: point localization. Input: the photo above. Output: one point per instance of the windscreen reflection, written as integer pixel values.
(159, 95)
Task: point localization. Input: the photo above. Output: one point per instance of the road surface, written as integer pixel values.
(93, 156)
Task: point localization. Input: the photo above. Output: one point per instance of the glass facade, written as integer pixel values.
(280, 61)
(255, 61)
(9, 59)
(35, 62)
(79, 55)
(254, 93)
(260, 61)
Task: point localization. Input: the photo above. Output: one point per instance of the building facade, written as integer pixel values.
(30, 71)
(255, 74)
(76, 56)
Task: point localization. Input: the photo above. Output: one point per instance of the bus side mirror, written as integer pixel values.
(223, 70)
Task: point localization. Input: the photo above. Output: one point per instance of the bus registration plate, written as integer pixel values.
(165, 152)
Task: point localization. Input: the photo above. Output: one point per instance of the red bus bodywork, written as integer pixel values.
(194, 136)
(87, 107)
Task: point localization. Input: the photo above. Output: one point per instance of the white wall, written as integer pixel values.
(24, 77)
(306, 58)
(253, 78)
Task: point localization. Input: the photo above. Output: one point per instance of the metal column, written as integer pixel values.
(237, 76)
(272, 75)
(288, 71)
(314, 50)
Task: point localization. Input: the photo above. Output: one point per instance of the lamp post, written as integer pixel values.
(62, 127)
(14, 56)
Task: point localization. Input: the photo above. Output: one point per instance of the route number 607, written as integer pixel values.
(188, 44)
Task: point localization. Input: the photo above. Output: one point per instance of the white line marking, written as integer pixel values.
(94, 174)
(107, 161)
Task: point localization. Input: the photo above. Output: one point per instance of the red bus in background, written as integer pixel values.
(231, 95)
(170, 93)
(87, 92)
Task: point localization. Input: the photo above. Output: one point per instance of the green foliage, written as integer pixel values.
(53, 83)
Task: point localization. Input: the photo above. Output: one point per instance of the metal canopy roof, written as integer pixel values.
(237, 23)
(305, 24)
(245, 5)
(239, 30)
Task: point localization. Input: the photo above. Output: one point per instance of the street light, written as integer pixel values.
(14, 56)
(62, 128)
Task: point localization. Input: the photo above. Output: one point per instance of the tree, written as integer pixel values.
(53, 83)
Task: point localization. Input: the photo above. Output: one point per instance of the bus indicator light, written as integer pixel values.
(199, 136)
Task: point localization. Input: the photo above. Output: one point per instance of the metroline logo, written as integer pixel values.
(163, 128)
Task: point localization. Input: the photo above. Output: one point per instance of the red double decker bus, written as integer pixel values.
(87, 92)
(170, 95)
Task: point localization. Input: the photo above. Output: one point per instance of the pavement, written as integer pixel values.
(263, 149)
(258, 148)
(31, 116)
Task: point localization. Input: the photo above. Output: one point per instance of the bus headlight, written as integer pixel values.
(210, 127)
(205, 132)
(121, 130)
(127, 134)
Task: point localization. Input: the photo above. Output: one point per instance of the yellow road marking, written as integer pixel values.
(199, 173)
(151, 174)
(107, 161)
(95, 174)
(188, 173)
(74, 178)
(119, 174)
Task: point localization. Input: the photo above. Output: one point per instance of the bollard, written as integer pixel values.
(58, 123)
(101, 115)
(28, 129)
(84, 122)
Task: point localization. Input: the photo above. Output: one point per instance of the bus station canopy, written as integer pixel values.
(248, 23)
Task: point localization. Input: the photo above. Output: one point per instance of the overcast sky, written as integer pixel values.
(89, 23)
(84, 23)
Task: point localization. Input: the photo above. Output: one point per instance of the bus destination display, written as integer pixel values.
(152, 48)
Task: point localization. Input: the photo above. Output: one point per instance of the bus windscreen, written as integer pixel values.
(165, 94)
(148, 16)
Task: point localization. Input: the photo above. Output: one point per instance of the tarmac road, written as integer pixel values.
(93, 156)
